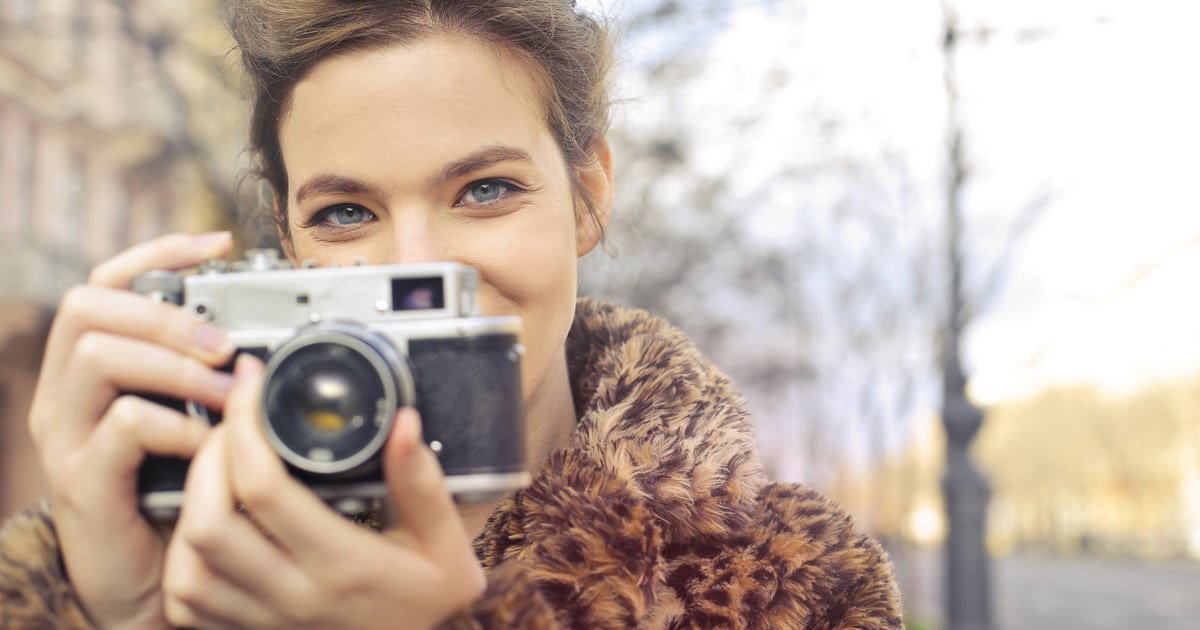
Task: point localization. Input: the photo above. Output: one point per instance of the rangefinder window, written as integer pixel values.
(418, 294)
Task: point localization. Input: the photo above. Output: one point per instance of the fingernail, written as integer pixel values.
(212, 339)
(408, 428)
(413, 419)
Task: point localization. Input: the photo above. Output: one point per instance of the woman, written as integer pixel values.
(404, 132)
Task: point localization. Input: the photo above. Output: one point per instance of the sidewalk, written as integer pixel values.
(1069, 593)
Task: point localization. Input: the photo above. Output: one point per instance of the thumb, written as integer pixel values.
(417, 489)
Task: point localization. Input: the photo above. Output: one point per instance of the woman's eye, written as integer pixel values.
(487, 191)
(344, 215)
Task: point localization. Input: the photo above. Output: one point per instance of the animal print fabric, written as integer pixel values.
(658, 515)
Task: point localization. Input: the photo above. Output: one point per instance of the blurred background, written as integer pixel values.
(863, 210)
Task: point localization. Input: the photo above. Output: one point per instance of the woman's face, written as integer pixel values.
(439, 151)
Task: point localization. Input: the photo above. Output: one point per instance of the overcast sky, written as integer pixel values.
(1092, 104)
(1104, 106)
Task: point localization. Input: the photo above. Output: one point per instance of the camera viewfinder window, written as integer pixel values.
(417, 294)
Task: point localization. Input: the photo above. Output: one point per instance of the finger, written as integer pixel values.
(307, 529)
(263, 485)
(131, 428)
(128, 365)
(424, 509)
(323, 544)
(195, 596)
(106, 541)
(231, 545)
(173, 251)
(86, 308)
(104, 367)
(417, 491)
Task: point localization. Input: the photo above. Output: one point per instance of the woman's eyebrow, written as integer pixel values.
(328, 184)
(482, 159)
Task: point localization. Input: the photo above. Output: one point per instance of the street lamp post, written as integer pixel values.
(965, 490)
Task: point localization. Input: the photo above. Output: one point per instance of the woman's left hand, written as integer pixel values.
(298, 563)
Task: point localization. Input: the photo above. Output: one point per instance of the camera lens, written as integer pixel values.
(331, 395)
(327, 396)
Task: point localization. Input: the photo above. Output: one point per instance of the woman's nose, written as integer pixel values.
(415, 239)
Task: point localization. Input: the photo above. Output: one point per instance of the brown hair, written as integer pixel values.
(281, 40)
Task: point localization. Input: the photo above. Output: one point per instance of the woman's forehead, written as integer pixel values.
(448, 67)
(430, 101)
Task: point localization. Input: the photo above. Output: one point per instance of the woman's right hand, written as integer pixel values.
(91, 434)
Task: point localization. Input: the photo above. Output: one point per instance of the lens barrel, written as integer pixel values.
(330, 396)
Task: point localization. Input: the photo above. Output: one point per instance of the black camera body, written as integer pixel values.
(345, 348)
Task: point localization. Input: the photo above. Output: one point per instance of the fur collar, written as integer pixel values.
(657, 415)
(657, 516)
(663, 463)
(663, 418)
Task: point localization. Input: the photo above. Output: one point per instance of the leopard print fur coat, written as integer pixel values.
(658, 516)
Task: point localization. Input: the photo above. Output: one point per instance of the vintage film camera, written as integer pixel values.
(345, 347)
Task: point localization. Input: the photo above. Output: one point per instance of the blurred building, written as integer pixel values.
(99, 151)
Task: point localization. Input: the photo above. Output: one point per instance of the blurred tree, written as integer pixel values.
(120, 121)
(752, 215)
(1098, 472)
(195, 72)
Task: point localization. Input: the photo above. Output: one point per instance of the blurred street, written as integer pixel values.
(1069, 593)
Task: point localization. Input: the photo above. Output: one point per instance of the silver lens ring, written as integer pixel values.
(386, 364)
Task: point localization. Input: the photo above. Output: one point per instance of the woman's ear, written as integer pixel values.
(596, 179)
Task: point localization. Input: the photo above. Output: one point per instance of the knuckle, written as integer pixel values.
(204, 533)
(75, 300)
(125, 416)
(91, 349)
